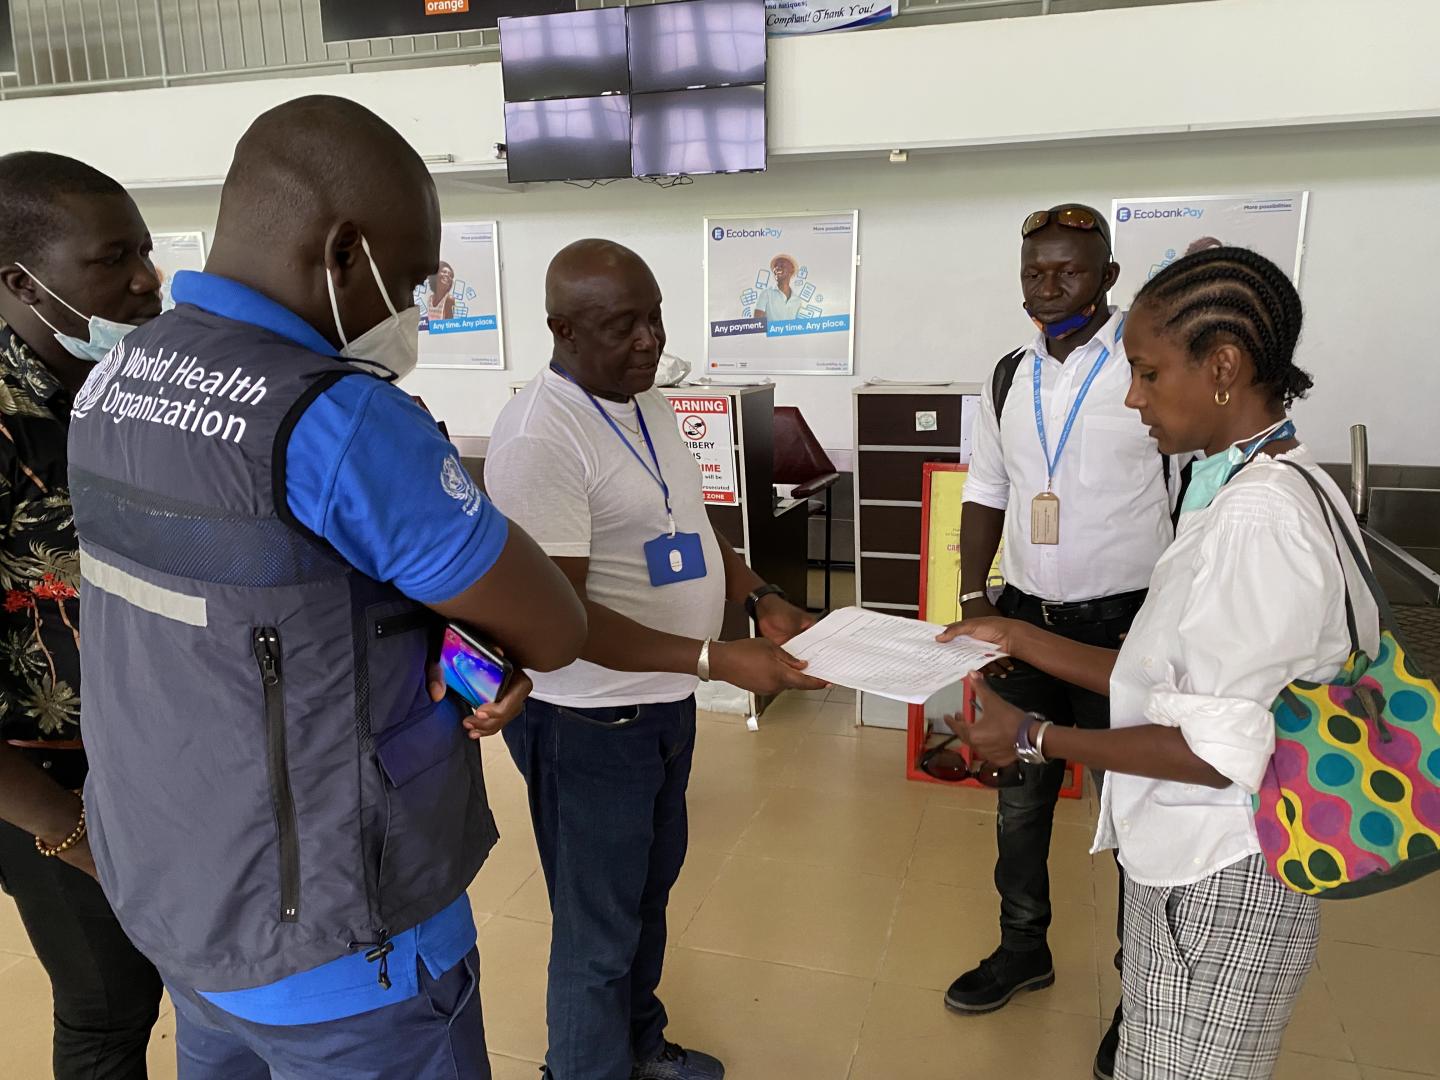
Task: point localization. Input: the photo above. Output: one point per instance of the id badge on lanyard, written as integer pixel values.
(672, 557)
(1045, 507)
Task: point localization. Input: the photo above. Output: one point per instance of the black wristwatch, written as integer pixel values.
(753, 600)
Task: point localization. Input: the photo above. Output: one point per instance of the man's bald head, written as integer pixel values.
(582, 273)
(314, 182)
(603, 305)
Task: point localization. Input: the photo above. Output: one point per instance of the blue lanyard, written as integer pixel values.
(1052, 464)
(1280, 434)
(654, 474)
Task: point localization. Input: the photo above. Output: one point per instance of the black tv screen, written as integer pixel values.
(568, 139)
(696, 43)
(699, 131)
(575, 54)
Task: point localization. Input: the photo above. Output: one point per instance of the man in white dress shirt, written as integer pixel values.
(589, 460)
(1076, 486)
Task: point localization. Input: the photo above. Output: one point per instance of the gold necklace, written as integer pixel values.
(633, 430)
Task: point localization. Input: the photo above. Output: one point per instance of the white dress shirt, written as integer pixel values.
(1114, 507)
(1250, 597)
(559, 471)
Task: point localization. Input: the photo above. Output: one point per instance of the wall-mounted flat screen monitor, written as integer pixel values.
(699, 131)
(574, 54)
(696, 43)
(568, 139)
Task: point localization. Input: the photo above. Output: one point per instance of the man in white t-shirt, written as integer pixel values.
(588, 460)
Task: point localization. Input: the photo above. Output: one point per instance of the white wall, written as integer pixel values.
(939, 245)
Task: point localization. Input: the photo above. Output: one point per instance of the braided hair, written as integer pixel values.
(1234, 295)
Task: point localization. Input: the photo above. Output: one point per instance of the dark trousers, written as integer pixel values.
(607, 798)
(107, 996)
(1027, 812)
(437, 1035)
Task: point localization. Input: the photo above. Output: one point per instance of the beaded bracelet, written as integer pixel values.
(76, 835)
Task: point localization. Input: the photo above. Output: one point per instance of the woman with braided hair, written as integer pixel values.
(1250, 597)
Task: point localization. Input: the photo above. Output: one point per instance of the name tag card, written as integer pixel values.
(673, 559)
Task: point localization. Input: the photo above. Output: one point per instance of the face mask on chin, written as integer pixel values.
(1058, 331)
(105, 334)
(392, 345)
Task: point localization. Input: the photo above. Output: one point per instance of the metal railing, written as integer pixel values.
(78, 46)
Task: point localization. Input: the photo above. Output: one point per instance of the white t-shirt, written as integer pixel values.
(559, 471)
(1249, 598)
(776, 306)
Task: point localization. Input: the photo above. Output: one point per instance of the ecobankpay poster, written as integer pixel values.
(460, 305)
(1152, 233)
(780, 294)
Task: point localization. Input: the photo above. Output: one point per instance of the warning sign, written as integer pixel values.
(705, 426)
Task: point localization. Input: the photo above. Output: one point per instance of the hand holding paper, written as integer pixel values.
(887, 655)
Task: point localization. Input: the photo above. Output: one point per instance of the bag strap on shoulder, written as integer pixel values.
(1336, 523)
(1002, 379)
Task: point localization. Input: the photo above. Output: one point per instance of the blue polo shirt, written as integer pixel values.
(364, 466)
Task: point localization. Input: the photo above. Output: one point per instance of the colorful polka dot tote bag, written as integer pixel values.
(1350, 804)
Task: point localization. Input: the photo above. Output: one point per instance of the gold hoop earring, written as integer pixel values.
(1222, 398)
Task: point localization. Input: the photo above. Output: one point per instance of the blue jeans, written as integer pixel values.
(437, 1035)
(607, 798)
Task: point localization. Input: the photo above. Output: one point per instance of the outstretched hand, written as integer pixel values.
(992, 735)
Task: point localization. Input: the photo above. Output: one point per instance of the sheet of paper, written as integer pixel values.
(887, 655)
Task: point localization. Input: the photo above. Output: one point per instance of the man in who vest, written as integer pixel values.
(283, 815)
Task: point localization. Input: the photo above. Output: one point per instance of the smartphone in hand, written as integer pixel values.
(474, 670)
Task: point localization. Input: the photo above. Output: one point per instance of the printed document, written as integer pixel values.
(887, 655)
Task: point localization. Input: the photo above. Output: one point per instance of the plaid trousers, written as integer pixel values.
(1211, 974)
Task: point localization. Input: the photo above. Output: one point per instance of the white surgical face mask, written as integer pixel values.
(105, 334)
(393, 344)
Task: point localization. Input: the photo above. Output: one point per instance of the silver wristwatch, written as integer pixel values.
(702, 667)
(1028, 752)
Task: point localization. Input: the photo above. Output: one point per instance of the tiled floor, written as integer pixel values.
(826, 904)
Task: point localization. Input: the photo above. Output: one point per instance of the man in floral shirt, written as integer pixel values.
(75, 274)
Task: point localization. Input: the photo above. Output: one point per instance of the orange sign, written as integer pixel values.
(446, 7)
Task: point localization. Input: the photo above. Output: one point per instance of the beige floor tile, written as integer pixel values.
(1387, 999)
(1371, 1072)
(736, 757)
(956, 846)
(832, 920)
(765, 1021)
(941, 932)
(836, 829)
(13, 938)
(909, 1035)
(530, 902)
(160, 1055)
(513, 958)
(1402, 919)
(1316, 1028)
(835, 718)
(872, 761)
(1303, 1067)
(721, 812)
(508, 1068)
(25, 1001)
(511, 863)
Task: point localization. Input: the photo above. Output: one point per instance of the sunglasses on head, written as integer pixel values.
(1072, 217)
(943, 763)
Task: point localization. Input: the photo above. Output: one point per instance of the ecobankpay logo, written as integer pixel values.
(1158, 213)
(769, 232)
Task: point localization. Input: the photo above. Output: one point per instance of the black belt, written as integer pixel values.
(1057, 614)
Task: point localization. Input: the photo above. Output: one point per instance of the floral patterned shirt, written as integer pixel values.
(39, 555)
